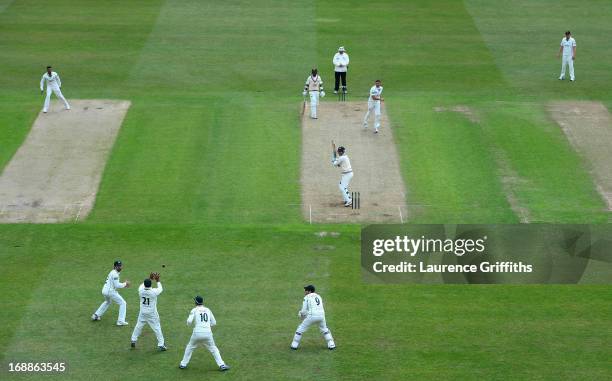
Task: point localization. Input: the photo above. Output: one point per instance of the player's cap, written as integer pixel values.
(341, 49)
(117, 263)
(568, 32)
(309, 288)
(48, 67)
(147, 282)
(199, 300)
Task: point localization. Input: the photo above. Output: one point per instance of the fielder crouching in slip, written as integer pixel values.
(314, 87)
(341, 160)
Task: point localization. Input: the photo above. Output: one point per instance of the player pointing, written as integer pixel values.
(374, 104)
(148, 311)
(341, 160)
(110, 293)
(312, 312)
(54, 83)
(314, 86)
(203, 319)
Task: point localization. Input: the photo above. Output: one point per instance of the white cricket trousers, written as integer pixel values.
(345, 180)
(567, 61)
(373, 105)
(153, 321)
(113, 296)
(306, 323)
(202, 339)
(314, 101)
(58, 93)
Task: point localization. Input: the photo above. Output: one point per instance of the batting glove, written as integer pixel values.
(322, 94)
(304, 93)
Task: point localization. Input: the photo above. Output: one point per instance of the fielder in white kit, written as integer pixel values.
(314, 87)
(54, 84)
(312, 313)
(568, 49)
(203, 319)
(374, 104)
(110, 293)
(148, 311)
(341, 160)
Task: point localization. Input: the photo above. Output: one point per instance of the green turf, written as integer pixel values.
(204, 177)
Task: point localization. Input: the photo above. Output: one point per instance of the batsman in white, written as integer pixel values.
(203, 319)
(53, 85)
(568, 49)
(342, 160)
(110, 293)
(374, 104)
(314, 86)
(148, 311)
(312, 312)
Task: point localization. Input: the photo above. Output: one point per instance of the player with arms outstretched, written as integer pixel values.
(110, 293)
(148, 311)
(203, 319)
(312, 312)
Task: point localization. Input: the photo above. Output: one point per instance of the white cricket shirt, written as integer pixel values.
(148, 298)
(312, 306)
(314, 83)
(568, 46)
(375, 91)
(112, 282)
(344, 163)
(202, 318)
(52, 81)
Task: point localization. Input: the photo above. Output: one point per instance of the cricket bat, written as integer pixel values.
(333, 150)
(303, 107)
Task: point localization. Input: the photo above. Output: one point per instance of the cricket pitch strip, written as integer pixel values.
(54, 175)
(374, 160)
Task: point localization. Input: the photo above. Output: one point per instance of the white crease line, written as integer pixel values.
(310, 212)
(78, 214)
(400, 211)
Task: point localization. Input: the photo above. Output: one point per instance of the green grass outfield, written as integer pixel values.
(204, 177)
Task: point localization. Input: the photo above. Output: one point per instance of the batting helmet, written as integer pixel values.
(341, 150)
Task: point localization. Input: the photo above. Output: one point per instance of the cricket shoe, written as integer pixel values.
(331, 348)
(376, 131)
(44, 111)
(293, 349)
(335, 91)
(365, 125)
(224, 368)
(349, 203)
(162, 348)
(95, 317)
(120, 323)
(561, 78)
(68, 108)
(133, 344)
(182, 366)
(572, 80)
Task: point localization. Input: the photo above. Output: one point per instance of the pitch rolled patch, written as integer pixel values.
(55, 174)
(588, 127)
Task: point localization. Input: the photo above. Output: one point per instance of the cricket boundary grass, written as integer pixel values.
(55, 174)
(374, 159)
